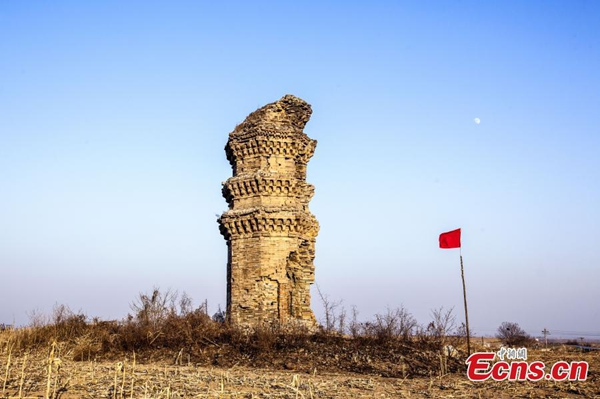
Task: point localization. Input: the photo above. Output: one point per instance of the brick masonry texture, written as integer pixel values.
(269, 229)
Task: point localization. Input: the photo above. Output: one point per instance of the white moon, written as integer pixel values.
(477, 121)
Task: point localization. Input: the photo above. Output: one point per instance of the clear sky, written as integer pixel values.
(114, 115)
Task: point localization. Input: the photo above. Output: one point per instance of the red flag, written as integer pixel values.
(450, 239)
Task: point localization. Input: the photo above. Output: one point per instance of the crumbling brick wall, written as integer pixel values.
(269, 229)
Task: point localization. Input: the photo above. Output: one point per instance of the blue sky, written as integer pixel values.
(114, 115)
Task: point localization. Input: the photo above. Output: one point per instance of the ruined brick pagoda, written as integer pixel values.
(269, 229)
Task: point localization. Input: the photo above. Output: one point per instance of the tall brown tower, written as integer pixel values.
(269, 230)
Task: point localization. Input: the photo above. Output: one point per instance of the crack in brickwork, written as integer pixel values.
(269, 229)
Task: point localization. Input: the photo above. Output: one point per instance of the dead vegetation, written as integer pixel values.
(168, 349)
(390, 346)
(28, 375)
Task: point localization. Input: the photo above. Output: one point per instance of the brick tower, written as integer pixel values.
(269, 229)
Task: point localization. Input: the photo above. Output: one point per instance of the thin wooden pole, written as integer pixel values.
(462, 275)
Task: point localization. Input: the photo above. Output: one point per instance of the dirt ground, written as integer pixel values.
(34, 376)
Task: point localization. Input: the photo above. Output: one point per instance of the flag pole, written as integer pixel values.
(462, 275)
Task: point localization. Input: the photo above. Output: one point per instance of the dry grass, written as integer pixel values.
(194, 338)
(48, 374)
(163, 353)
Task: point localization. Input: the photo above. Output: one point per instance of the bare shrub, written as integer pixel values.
(151, 310)
(186, 304)
(443, 322)
(165, 319)
(332, 317)
(186, 329)
(512, 334)
(442, 325)
(355, 327)
(395, 323)
(461, 331)
(37, 318)
(220, 316)
(67, 323)
(62, 325)
(341, 321)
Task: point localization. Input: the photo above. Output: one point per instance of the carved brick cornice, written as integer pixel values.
(269, 222)
(270, 184)
(296, 145)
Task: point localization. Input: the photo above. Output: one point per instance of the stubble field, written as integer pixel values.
(52, 373)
